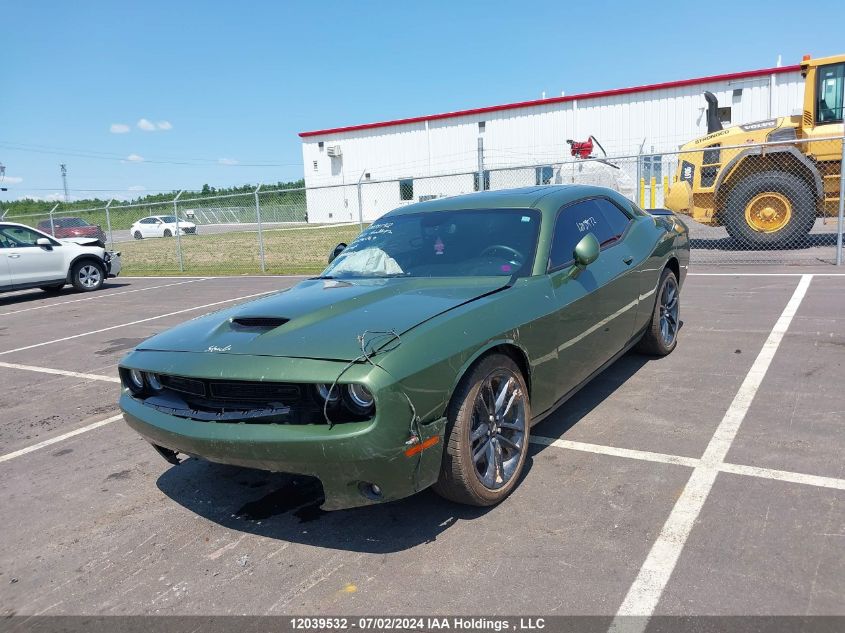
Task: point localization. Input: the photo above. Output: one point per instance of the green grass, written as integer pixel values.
(286, 251)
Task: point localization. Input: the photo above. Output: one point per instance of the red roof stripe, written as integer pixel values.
(586, 95)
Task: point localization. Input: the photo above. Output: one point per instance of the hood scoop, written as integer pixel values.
(257, 322)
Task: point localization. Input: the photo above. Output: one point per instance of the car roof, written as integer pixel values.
(545, 198)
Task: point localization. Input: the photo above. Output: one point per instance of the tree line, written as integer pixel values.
(30, 206)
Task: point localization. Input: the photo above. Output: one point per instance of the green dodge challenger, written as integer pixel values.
(425, 352)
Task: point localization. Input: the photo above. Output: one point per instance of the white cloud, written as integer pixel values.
(227, 161)
(134, 158)
(119, 128)
(10, 180)
(146, 125)
(137, 188)
(53, 197)
(164, 125)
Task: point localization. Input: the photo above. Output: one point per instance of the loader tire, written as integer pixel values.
(770, 210)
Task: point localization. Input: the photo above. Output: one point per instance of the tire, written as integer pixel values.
(167, 233)
(53, 289)
(137, 235)
(655, 341)
(87, 275)
(780, 206)
(461, 479)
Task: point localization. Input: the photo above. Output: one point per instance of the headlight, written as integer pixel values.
(332, 397)
(136, 380)
(153, 382)
(359, 398)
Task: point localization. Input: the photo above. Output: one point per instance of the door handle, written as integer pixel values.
(627, 260)
(14, 256)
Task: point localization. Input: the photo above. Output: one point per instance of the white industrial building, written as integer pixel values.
(379, 166)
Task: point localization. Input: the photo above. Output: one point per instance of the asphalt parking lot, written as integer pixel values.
(708, 482)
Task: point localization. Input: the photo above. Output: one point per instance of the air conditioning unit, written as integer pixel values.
(334, 151)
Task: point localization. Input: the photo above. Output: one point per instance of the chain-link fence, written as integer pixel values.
(778, 202)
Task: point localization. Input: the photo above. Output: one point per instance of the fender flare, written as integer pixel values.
(765, 151)
(85, 256)
(485, 349)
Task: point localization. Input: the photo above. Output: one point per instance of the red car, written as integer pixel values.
(71, 227)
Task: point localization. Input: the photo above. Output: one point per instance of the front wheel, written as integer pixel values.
(487, 435)
(87, 275)
(770, 209)
(661, 335)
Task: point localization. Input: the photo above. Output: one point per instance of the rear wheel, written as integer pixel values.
(487, 435)
(168, 233)
(772, 209)
(661, 336)
(137, 235)
(87, 275)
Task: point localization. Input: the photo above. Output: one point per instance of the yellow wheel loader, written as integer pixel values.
(768, 196)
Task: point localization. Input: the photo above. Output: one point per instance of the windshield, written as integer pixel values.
(68, 222)
(443, 244)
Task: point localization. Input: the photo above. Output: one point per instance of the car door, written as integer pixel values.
(28, 262)
(597, 305)
(147, 227)
(5, 275)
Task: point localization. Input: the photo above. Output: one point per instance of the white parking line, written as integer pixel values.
(103, 296)
(692, 462)
(60, 372)
(645, 592)
(764, 274)
(114, 327)
(59, 438)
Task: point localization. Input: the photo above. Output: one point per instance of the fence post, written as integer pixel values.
(53, 228)
(108, 223)
(260, 232)
(178, 231)
(360, 203)
(840, 225)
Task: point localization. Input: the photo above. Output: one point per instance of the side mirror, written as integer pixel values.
(337, 250)
(43, 241)
(587, 250)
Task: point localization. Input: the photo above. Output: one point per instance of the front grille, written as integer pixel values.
(183, 385)
(711, 156)
(262, 391)
(237, 401)
(708, 176)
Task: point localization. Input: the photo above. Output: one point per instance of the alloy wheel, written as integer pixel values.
(90, 276)
(497, 434)
(669, 309)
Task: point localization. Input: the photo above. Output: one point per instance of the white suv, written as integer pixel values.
(32, 259)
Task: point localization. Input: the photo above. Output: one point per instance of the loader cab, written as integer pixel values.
(824, 99)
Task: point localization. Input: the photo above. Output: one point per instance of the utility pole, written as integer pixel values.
(64, 181)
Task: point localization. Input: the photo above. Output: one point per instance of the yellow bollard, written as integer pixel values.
(642, 192)
(652, 191)
(665, 189)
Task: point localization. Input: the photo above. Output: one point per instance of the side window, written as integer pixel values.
(573, 223)
(616, 219)
(20, 236)
(831, 91)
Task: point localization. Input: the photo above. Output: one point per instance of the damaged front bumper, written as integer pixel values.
(358, 463)
(112, 262)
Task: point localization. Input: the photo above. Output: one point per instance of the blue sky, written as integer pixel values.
(225, 87)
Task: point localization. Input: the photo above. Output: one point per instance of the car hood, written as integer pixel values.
(81, 241)
(323, 319)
